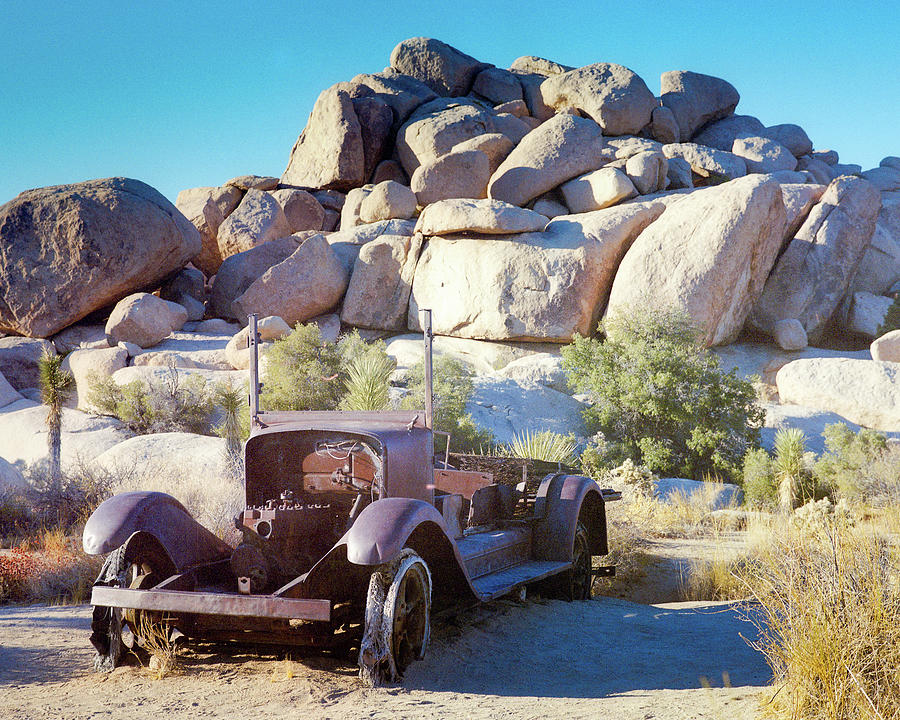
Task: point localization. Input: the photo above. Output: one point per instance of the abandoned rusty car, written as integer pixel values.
(352, 536)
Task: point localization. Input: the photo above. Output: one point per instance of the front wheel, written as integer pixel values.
(398, 619)
(575, 583)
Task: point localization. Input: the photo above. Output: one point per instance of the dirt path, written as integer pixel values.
(606, 658)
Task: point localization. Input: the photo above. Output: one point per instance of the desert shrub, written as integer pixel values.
(760, 489)
(658, 396)
(64, 503)
(891, 318)
(858, 466)
(175, 404)
(304, 372)
(47, 574)
(543, 445)
(452, 389)
(829, 628)
(235, 425)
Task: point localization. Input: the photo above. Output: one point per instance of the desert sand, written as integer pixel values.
(603, 658)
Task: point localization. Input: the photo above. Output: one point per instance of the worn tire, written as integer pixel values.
(398, 619)
(574, 584)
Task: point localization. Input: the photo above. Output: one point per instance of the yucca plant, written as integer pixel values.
(543, 445)
(368, 378)
(231, 400)
(56, 387)
(789, 468)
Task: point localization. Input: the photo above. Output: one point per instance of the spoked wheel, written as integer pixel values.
(398, 614)
(574, 584)
(580, 577)
(115, 631)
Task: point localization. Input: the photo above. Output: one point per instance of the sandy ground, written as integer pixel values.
(605, 658)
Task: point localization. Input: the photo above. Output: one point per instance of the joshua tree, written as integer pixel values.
(790, 469)
(56, 388)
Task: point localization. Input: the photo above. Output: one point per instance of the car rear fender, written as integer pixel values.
(562, 501)
(185, 540)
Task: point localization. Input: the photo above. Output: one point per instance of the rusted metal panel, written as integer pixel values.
(206, 603)
(462, 482)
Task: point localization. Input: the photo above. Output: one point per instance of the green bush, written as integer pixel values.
(452, 389)
(659, 396)
(368, 379)
(760, 489)
(176, 404)
(855, 465)
(891, 319)
(303, 372)
(792, 469)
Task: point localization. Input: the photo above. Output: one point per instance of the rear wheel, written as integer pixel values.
(574, 584)
(398, 619)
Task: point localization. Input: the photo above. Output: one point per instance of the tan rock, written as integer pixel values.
(663, 125)
(19, 358)
(253, 182)
(389, 170)
(513, 107)
(72, 249)
(329, 152)
(887, 347)
(497, 85)
(454, 175)
(496, 146)
(239, 271)
(558, 150)
(763, 155)
(144, 320)
(490, 217)
(597, 190)
(865, 392)
(706, 162)
(386, 201)
(614, 96)
(708, 255)
(813, 273)
(790, 334)
(308, 283)
(301, 209)
(378, 294)
(257, 220)
(87, 366)
(865, 313)
(351, 207)
(696, 99)
(648, 171)
(441, 67)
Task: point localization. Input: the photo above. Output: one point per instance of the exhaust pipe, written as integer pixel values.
(253, 344)
(429, 379)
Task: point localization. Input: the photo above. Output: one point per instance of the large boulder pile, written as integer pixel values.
(519, 204)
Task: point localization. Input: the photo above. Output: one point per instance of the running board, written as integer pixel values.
(502, 582)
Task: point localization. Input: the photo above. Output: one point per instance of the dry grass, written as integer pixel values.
(155, 639)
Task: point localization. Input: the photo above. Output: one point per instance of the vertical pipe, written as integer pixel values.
(429, 380)
(253, 344)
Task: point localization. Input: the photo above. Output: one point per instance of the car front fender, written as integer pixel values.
(185, 540)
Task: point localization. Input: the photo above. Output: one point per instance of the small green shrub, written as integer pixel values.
(176, 404)
(853, 464)
(543, 445)
(791, 467)
(303, 372)
(452, 389)
(659, 396)
(891, 319)
(760, 489)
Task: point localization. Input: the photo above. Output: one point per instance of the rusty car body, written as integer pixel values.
(352, 536)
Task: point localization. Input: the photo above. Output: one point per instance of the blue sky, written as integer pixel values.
(181, 94)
